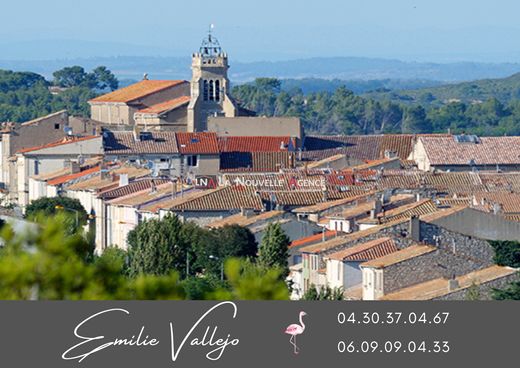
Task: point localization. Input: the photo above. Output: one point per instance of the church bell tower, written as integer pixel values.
(209, 85)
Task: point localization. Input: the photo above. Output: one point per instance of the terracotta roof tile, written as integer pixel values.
(133, 187)
(197, 143)
(508, 202)
(400, 256)
(98, 183)
(316, 238)
(61, 142)
(489, 151)
(66, 178)
(233, 197)
(166, 106)
(254, 144)
(138, 90)
(125, 143)
(240, 219)
(367, 251)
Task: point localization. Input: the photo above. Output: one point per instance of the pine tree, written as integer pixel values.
(274, 249)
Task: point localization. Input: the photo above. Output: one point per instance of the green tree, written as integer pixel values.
(511, 292)
(104, 79)
(48, 265)
(415, 121)
(249, 281)
(40, 209)
(157, 247)
(72, 76)
(324, 293)
(274, 249)
(507, 253)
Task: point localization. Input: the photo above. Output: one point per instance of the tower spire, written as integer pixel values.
(210, 45)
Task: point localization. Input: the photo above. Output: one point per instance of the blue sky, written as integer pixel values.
(433, 30)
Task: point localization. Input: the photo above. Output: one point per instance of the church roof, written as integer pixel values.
(166, 106)
(138, 90)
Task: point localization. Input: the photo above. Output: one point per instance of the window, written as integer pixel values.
(205, 90)
(217, 90)
(339, 271)
(36, 168)
(211, 90)
(192, 161)
(56, 126)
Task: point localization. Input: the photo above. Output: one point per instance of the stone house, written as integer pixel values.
(15, 137)
(343, 267)
(51, 157)
(467, 153)
(477, 284)
(121, 106)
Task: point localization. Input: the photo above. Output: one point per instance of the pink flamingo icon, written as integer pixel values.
(294, 330)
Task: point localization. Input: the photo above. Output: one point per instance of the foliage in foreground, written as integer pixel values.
(324, 293)
(50, 264)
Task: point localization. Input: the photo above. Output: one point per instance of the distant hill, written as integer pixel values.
(504, 89)
(341, 68)
(313, 85)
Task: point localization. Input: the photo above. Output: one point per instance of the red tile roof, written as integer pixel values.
(196, 143)
(489, 151)
(66, 178)
(61, 142)
(316, 238)
(166, 106)
(124, 143)
(133, 187)
(138, 90)
(227, 198)
(367, 251)
(403, 255)
(253, 144)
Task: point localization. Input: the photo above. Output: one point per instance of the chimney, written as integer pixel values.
(137, 133)
(153, 188)
(105, 174)
(390, 154)
(123, 180)
(497, 208)
(415, 228)
(378, 206)
(247, 213)
(325, 194)
(453, 284)
(74, 167)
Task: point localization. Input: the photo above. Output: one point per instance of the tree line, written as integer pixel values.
(25, 96)
(343, 112)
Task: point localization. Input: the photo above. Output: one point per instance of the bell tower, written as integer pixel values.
(209, 85)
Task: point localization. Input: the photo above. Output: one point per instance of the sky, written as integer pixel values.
(412, 30)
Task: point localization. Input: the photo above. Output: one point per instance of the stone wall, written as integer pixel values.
(463, 246)
(430, 266)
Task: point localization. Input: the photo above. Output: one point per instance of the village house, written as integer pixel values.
(476, 285)
(69, 151)
(122, 212)
(120, 106)
(343, 267)
(15, 137)
(179, 155)
(467, 153)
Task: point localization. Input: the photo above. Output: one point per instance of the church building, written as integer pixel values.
(173, 105)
